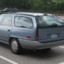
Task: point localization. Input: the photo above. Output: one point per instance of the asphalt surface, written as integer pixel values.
(53, 56)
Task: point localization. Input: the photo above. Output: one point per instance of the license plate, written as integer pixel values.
(54, 36)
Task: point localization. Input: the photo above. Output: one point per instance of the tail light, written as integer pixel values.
(29, 37)
(37, 36)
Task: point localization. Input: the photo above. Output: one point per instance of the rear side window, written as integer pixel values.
(7, 21)
(24, 22)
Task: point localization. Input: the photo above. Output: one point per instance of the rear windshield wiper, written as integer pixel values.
(49, 26)
(54, 25)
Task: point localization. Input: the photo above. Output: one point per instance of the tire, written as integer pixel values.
(15, 46)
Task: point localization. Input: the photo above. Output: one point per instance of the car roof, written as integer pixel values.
(32, 13)
(28, 13)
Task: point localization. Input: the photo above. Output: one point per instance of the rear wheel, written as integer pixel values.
(15, 46)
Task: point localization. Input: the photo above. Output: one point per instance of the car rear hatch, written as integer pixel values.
(50, 29)
(51, 34)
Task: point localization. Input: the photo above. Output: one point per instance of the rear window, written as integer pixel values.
(23, 22)
(49, 21)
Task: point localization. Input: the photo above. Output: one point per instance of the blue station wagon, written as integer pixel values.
(34, 31)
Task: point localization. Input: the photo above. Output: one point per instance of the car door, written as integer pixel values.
(6, 27)
(24, 27)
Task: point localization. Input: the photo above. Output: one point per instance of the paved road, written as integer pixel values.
(54, 56)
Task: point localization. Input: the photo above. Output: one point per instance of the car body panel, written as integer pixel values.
(19, 32)
(51, 34)
(27, 44)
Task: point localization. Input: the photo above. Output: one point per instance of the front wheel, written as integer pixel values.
(15, 46)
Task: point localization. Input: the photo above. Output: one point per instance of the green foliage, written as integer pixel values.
(38, 5)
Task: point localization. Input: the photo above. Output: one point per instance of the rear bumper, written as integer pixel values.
(27, 44)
